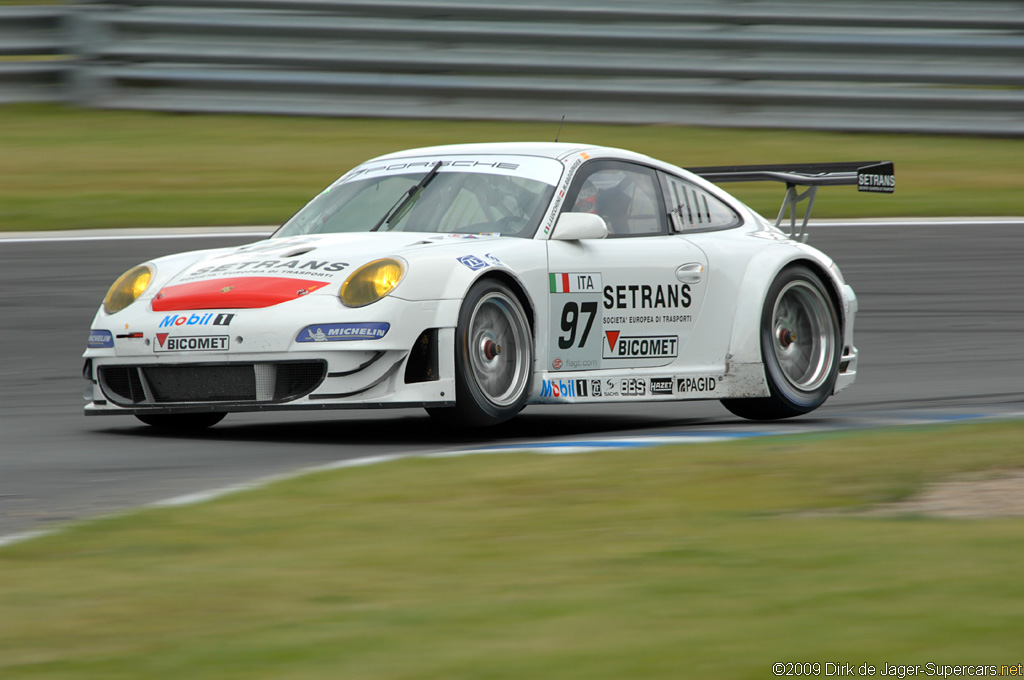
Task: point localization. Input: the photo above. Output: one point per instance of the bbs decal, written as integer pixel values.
(633, 387)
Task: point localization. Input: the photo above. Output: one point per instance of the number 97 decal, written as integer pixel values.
(570, 324)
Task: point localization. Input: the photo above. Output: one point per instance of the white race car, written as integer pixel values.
(475, 279)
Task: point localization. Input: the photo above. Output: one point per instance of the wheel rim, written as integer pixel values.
(803, 336)
(499, 349)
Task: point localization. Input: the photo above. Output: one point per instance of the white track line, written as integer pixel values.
(545, 447)
(151, 235)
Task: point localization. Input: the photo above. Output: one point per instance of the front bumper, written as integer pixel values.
(274, 359)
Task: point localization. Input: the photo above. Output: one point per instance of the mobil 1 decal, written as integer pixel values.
(576, 333)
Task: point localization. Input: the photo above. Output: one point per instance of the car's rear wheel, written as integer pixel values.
(800, 347)
(493, 358)
(181, 422)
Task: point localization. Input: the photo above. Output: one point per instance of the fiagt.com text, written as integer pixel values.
(887, 670)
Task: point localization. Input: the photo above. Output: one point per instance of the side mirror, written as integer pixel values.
(579, 226)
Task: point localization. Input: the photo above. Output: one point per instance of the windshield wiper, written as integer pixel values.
(404, 200)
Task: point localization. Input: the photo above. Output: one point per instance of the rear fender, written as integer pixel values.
(745, 343)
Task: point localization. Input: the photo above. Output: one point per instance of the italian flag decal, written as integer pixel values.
(575, 282)
(559, 283)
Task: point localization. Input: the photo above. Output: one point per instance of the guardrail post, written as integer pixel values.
(86, 86)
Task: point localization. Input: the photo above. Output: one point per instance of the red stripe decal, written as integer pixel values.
(565, 283)
(242, 292)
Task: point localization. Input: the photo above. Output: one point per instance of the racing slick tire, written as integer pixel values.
(801, 345)
(493, 358)
(182, 422)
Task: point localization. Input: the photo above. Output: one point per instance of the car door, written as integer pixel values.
(628, 301)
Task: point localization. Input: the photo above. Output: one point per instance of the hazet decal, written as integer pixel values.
(661, 385)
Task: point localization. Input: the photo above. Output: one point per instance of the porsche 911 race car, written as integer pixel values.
(473, 280)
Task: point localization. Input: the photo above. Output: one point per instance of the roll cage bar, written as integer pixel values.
(869, 176)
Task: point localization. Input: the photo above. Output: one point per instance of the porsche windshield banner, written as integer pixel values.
(545, 170)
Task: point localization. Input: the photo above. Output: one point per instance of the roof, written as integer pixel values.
(555, 150)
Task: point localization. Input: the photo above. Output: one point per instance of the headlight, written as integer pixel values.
(127, 289)
(371, 282)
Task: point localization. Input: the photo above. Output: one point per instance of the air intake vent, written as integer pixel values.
(211, 383)
(201, 383)
(122, 384)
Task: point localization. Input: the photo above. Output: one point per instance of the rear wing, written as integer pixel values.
(870, 176)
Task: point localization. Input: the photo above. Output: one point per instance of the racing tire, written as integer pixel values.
(181, 422)
(493, 358)
(801, 345)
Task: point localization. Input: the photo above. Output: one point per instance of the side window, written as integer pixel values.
(624, 194)
(691, 208)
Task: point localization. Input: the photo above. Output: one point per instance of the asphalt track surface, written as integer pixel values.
(940, 331)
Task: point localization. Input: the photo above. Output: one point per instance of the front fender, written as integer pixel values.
(448, 274)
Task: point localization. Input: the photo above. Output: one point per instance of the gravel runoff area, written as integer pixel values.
(1001, 496)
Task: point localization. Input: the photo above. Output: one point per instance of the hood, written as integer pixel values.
(274, 271)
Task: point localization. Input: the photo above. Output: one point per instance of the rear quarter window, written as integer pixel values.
(691, 208)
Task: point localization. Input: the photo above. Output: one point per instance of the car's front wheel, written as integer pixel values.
(181, 422)
(493, 358)
(800, 347)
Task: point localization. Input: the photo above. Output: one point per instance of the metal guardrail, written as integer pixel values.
(32, 42)
(879, 65)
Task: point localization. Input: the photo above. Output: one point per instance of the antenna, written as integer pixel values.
(560, 128)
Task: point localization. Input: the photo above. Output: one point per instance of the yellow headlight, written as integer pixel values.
(371, 282)
(127, 289)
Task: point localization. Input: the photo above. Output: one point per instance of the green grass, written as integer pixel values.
(63, 167)
(686, 562)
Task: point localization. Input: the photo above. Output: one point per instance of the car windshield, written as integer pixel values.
(468, 195)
